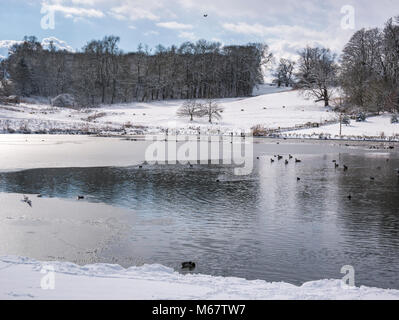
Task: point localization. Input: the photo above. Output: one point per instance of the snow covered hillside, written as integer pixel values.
(23, 278)
(270, 108)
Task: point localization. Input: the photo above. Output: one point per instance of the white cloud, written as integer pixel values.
(151, 33)
(128, 12)
(57, 43)
(285, 25)
(286, 40)
(5, 45)
(174, 25)
(71, 12)
(187, 35)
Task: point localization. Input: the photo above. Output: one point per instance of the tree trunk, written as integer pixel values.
(326, 100)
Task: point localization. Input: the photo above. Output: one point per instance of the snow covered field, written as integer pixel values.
(23, 278)
(270, 108)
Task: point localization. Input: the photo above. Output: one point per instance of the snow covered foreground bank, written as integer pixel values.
(23, 278)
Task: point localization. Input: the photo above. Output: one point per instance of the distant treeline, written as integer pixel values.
(102, 73)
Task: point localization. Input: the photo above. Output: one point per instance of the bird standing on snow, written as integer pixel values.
(28, 201)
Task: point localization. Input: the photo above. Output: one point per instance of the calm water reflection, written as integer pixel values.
(264, 226)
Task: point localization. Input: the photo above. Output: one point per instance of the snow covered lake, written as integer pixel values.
(266, 226)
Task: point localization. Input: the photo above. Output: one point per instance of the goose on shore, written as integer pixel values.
(188, 265)
(28, 201)
(346, 168)
(297, 160)
(81, 197)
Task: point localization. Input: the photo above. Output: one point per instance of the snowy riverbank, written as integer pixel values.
(21, 278)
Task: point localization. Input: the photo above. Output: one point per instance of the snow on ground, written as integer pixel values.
(379, 126)
(23, 278)
(283, 109)
(272, 109)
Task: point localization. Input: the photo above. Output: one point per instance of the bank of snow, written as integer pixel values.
(21, 278)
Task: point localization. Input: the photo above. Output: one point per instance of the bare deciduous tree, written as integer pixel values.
(190, 108)
(212, 110)
(284, 73)
(317, 73)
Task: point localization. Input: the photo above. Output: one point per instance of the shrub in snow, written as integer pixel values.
(361, 117)
(64, 101)
(394, 118)
(346, 120)
(10, 100)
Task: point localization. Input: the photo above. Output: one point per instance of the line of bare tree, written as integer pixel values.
(101, 73)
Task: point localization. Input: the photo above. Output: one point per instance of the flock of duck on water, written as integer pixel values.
(336, 166)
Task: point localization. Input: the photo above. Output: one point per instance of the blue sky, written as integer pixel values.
(285, 25)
